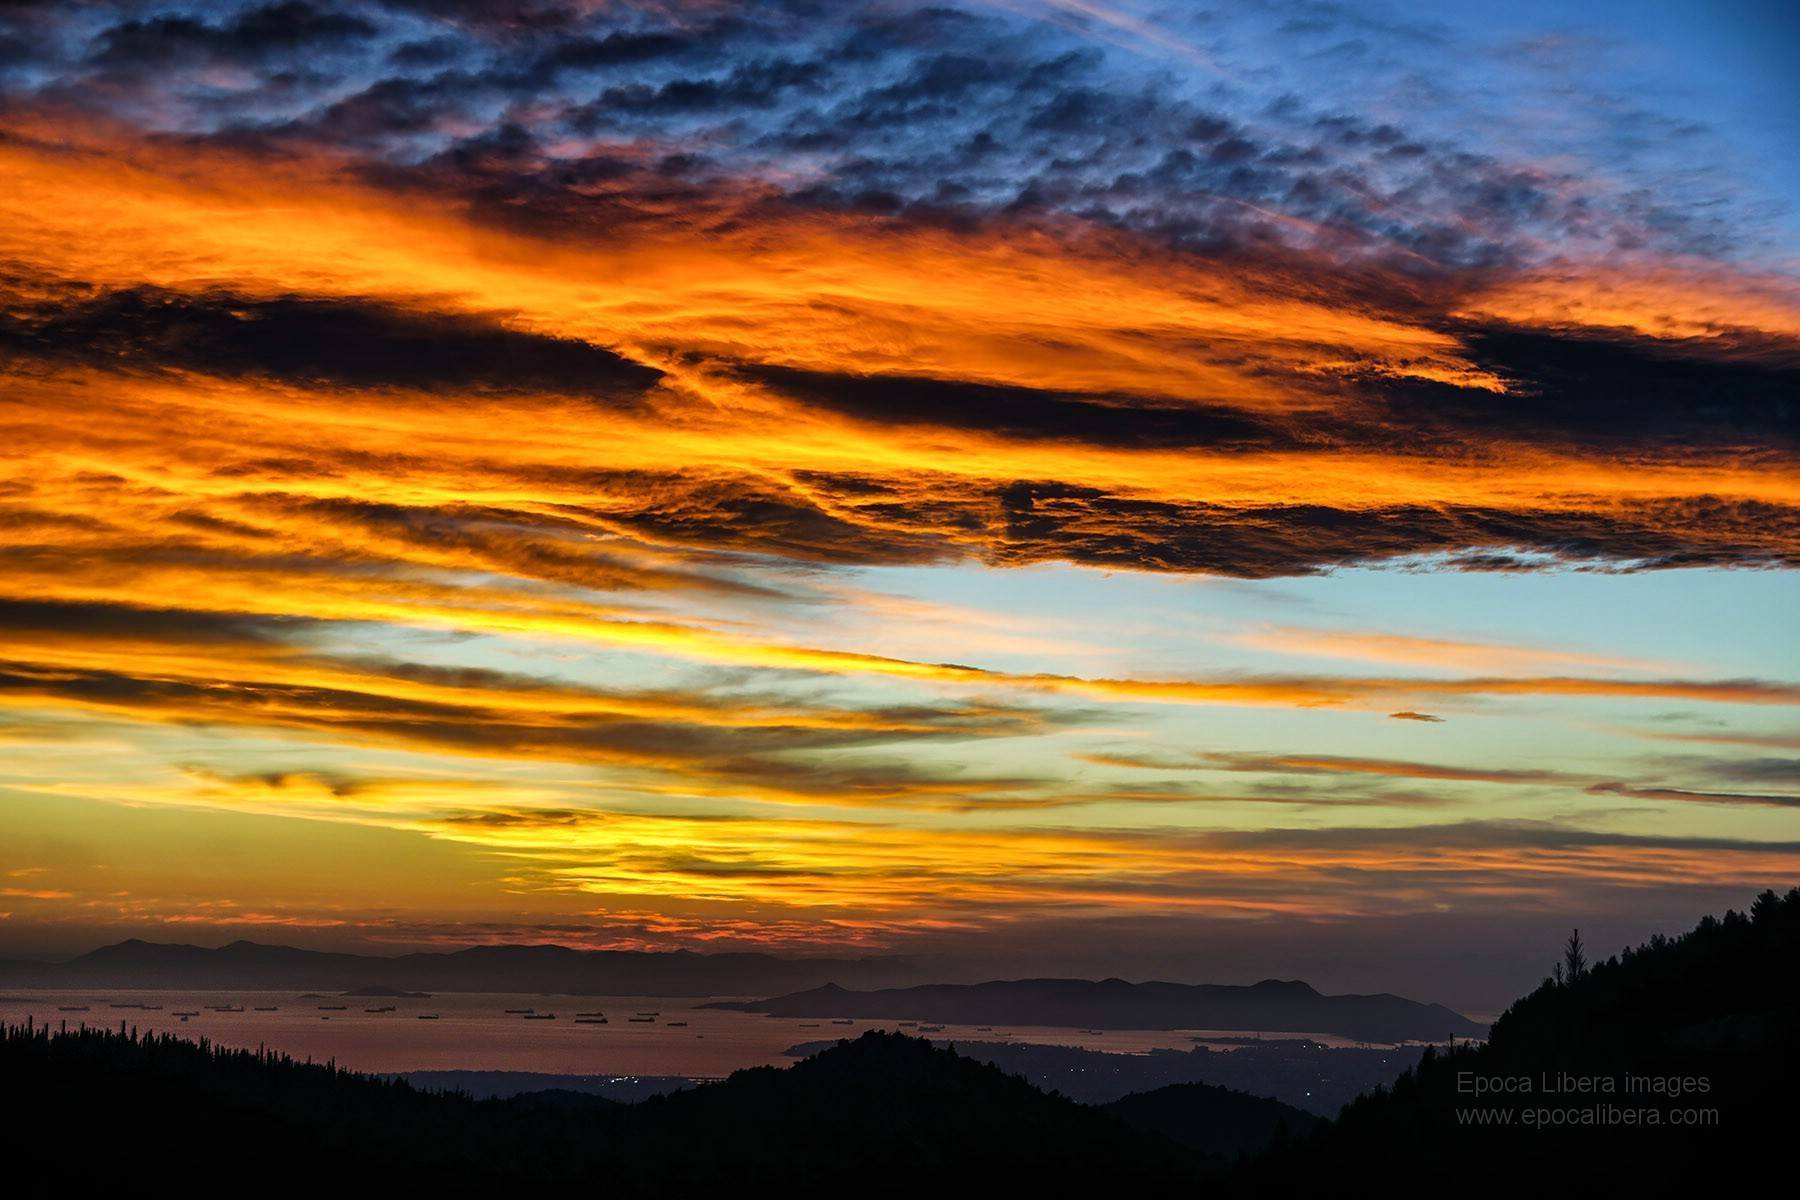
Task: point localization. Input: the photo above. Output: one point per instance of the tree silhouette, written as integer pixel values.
(1713, 1008)
(1574, 961)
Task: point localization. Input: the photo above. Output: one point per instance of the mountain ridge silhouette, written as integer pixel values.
(1269, 1006)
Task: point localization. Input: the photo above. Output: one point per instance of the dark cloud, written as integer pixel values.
(426, 52)
(746, 512)
(1028, 413)
(617, 48)
(501, 18)
(525, 544)
(253, 35)
(354, 342)
(1415, 716)
(754, 85)
(920, 518)
(1337, 794)
(1626, 399)
(909, 112)
(1330, 764)
(1047, 520)
(1781, 771)
(73, 619)
(934, 113)
(773, 760)
(586, 124)
(1622, 393)
(795, 749)
(1684, 795)
(385, 111)
(1489, 835)
(1629, 396)
(1637, 403)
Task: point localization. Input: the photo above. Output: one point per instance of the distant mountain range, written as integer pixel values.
(1272, 1005)
(254, 966)
(801, 987)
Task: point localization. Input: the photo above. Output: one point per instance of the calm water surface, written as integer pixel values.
(473, 1031)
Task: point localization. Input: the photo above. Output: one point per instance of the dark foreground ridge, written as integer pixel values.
(1212, 1120)
(1695, 1038)
(881, 1115)
(1272, 1005)
(1670, 1069)
(1297, 1071)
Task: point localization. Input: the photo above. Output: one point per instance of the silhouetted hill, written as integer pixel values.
(1669, 1067)
(254, 966)
(884, 1115)
(1115, 1004)
(1212, 1120)
(895, 1115)
(1308, 1075)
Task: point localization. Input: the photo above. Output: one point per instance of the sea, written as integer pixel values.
(487, 1031)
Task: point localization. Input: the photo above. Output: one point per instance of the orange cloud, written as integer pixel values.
(1661, 299)
(1443, 653)
(616, 434)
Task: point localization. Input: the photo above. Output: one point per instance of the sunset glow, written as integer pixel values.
(881, 478)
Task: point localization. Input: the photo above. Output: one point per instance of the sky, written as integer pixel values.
(1155, 489)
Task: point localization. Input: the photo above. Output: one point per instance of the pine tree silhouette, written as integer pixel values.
(1574, 960)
